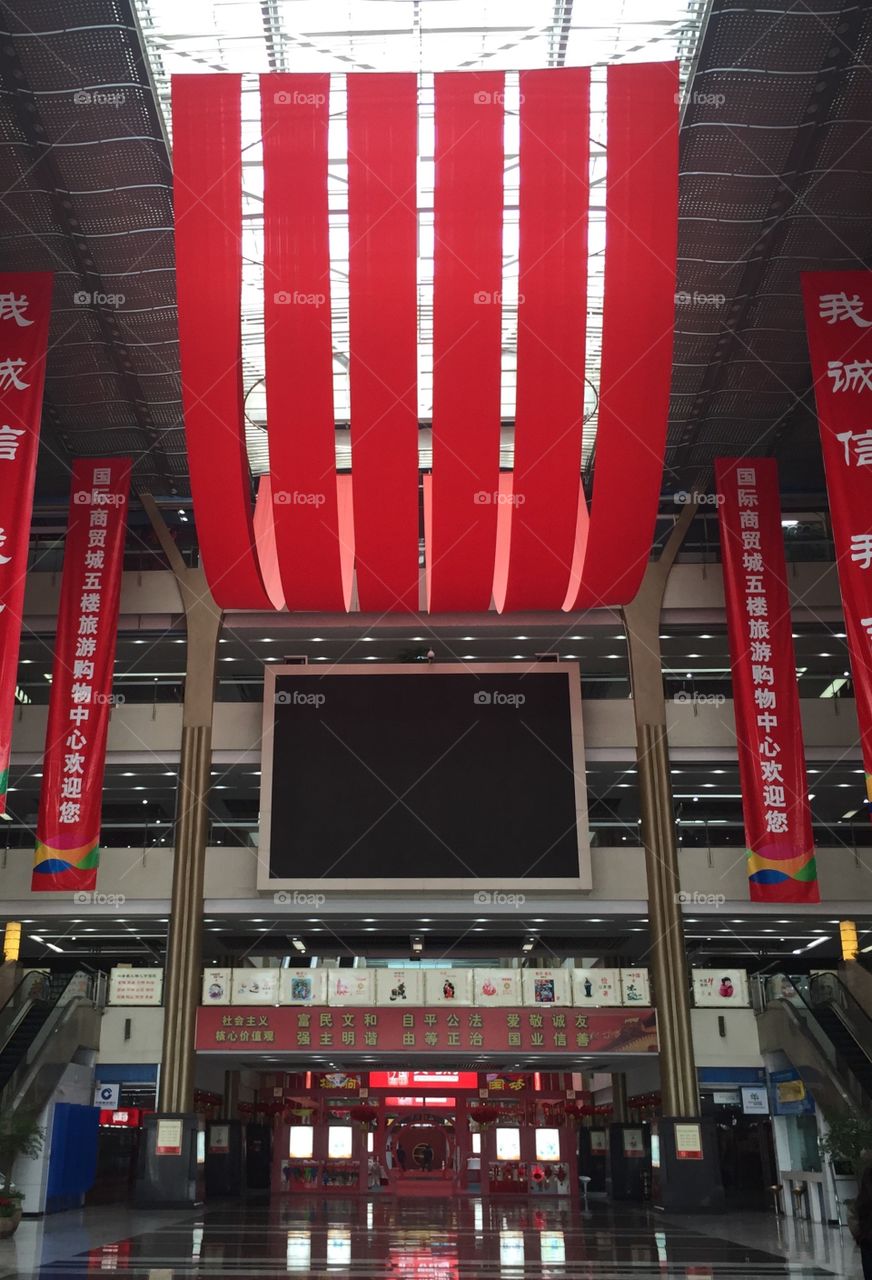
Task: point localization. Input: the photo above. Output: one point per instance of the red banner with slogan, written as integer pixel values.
(838, 317)
(778, 834)
(427, 1031)
(25, 308)
(68, 829)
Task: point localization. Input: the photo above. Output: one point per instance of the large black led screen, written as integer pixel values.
(425, 775)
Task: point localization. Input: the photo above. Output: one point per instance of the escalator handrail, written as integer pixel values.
(843, 999)
(31, 990)
(93, 993)
(792, 997)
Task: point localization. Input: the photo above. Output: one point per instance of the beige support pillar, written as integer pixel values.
(667, 954)
(184, 945)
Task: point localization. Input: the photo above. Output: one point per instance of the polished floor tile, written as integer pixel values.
(458, 1239)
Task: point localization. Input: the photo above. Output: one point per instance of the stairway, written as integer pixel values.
(21, 1039)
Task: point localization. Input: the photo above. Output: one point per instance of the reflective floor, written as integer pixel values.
(458, 1239)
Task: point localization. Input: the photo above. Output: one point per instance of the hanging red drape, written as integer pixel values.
(298, 339)
(613, 546)
(467, 315)
(552, 307)
(382, 290)
(207, 195)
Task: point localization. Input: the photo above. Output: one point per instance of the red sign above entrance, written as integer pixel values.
(423, 1079)
(426, 1031)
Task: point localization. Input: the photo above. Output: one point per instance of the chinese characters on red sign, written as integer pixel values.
(68, 830)
(838, 317)
(25, 305)
(778, 834)
(428, 1030)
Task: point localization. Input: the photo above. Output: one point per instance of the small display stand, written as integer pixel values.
(508, 1177)
(321, 1175)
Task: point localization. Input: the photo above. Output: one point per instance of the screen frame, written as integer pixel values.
(583, 882)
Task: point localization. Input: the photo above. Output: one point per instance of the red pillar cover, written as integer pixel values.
(68, 827)
(772, 772)
(25, 307)
(838, 317)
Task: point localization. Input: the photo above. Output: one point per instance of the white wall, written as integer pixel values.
(146, 1035)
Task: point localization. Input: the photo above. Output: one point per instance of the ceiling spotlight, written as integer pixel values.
(299, 945)
(417, 945)
(528, 944)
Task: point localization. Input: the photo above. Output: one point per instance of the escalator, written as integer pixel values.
(825, 1033)
(47, 1022)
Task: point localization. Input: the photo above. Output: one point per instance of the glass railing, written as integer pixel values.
(828, 990)
(73, 1006)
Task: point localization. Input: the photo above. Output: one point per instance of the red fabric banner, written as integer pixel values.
(207, 195)
(25, 310)
(552, 313)
(467, 318)
(613, 546)
(838, 317)
(420, 1032)
(298, 339)
(382, 290)
(772, 776)
(68, 828)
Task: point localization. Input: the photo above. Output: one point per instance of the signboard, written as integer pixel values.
(428, 1030)
(219, 1139)
(256, 986)
(135, 986)
(789, 1094)
(303, 986)
(423, 1079)
(25, 309)
(720, 988)
(70, 807)
(511, 1083)
(688, 1141)
(755, 1100)
(217, 985)
(778, 832)
(350, 986)
(107, 1095)
(169, 1138)
(635, 987)
(838, 317)
(546, 986)
(726, 1097)
(596, 987)
(496, 987)
(634, 1143)
(399, 986)
(599, 1142)
(128, 1118)
(338, 1081)
(448, 986)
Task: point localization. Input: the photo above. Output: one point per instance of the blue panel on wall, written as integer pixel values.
(126, 1073)
(73, 1155)
(731, 1075)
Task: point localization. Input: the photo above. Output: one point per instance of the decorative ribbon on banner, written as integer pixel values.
(207, 195)
(68, 828)
(25, 308)
(772, 773)
(467, 320)
(294, 114)
(552, 553)
(613, 544)
(552, 312)
(383, 299)
(838, 317)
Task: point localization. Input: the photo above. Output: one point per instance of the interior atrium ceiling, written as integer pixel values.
(776, 177)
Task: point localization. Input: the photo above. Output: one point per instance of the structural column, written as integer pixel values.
(182, 979)
(678, 1081)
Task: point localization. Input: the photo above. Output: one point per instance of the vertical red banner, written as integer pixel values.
(838, 317)
(25, 309)
(68, 828)
(772, 776)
